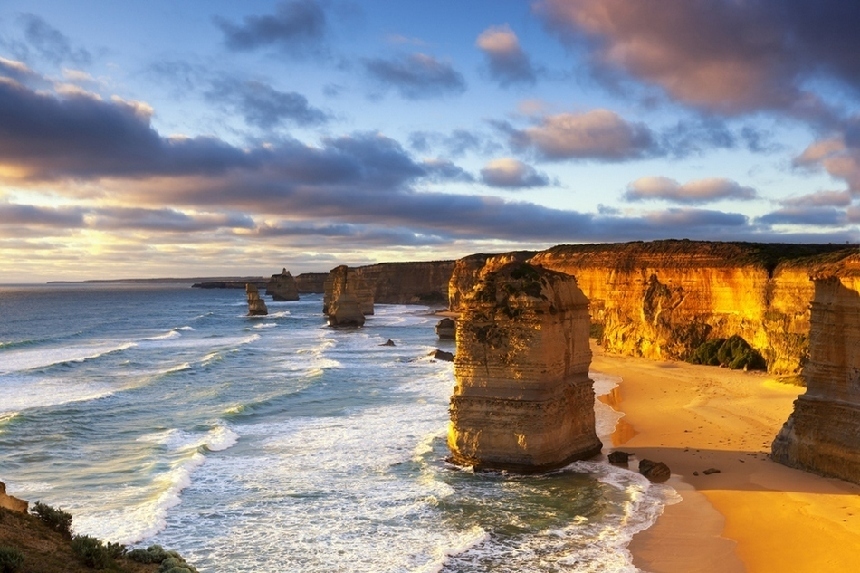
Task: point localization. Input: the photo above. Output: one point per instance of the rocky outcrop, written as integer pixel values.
(446, 329)
(311, 282)
(523, 400)
(256, 306)
(344, 280)
(11, 503)
(823, 433)
(664, 299)
(282, 287)
(345, 311)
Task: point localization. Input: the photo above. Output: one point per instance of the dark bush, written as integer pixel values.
(10, 559)
(153, 554)
(91, 551)
(734, 352)
(57, 519)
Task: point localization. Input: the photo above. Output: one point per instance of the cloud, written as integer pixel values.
(21, 73)
(698, 191)
(164, 220)
(51, 44)
(506, 61)
(439, 169)
(839, 160)
(456, 143)
(417, 76)
(820, 199)
(265, 107)
(806, 215)
(722, 56)
(597, 134)
(512, 174)
(11, 214)
(297, 27)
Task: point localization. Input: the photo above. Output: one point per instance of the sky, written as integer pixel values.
(212, 137)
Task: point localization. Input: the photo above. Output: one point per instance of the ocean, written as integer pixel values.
(158, 413)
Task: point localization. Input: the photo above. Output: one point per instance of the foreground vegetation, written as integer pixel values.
(43, 542)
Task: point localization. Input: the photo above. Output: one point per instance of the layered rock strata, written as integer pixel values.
(523, 400)
(345, 280)
(664, 299)
(256, 306)
(282, 287)
(823, 433)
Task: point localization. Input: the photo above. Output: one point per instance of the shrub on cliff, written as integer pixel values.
(734, 352)
(10, 559)
(57, 519)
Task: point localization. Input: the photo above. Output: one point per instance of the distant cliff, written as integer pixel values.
(663, 299)
(397, 283)
(311, 282)
(821, 435)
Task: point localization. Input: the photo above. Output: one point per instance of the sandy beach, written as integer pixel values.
(754, 515)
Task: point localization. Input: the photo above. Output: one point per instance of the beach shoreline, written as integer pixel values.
(754, 515)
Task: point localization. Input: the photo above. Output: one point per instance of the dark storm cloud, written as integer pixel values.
(512, 174)
(723, 56)
(417, 76)
(263, 106)
(507, 63)
(81, 136)
(297, 27)
(51, 44)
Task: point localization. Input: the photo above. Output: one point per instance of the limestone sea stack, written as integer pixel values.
(523, 401)
(345, 311)
(822, 435)
(282, 286)
(446, 329)
(256, 306)
(343, 279)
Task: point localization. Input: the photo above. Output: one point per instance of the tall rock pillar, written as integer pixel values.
(523, 400)
(256, 306)
(822, 435)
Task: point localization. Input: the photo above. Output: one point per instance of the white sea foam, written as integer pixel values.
(21, 393)
(279, 314)
(35, 358)
(266, 325)
(166, 336)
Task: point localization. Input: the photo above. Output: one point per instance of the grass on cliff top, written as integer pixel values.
(43, 548)
(683, 252)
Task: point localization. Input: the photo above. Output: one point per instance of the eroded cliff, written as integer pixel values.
(282, 287)
(343, 280)
(664, 299)
(823, 433)
(523, 400)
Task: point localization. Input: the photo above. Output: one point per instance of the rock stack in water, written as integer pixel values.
(822, 435)
(523, 400)
(342, 280)
(282, 287)
(256, 306)
(345, 311)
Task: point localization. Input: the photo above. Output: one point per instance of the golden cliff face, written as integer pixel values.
(663, 299)
(821, 435)
(282, 286)
(466, 273)
(523, 400)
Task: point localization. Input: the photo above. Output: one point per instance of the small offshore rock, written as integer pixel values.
(657, 472)
(388, 342)
(446, 329)
(695, 473)
(442, 355)
(710, 471)
(617, 457)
